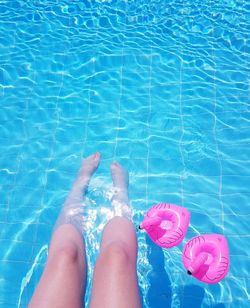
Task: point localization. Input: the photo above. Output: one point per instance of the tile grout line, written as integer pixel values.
(93, 59)
(148, 124)
(120, 96)
(215, 133)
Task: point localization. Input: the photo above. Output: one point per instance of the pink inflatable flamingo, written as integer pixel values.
(166, 224)
(206, 257)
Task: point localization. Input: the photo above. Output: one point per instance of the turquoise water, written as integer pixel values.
(163, 87)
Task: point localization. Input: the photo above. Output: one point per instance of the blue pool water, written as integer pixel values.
(161, 86)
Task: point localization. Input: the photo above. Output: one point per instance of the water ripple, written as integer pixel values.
(164, 88)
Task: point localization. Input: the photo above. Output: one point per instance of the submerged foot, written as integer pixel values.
(89, 166)
(72, 211)
(120, 199)
(119, 176)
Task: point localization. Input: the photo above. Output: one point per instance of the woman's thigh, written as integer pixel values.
(62, 283)
(115, 279)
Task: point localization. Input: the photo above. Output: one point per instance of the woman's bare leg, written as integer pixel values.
(63, 281)
(115, 279)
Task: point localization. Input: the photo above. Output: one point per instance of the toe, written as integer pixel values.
(96, 156)
(115, 165)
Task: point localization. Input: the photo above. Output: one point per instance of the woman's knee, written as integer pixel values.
(117, 255)
(66, 255)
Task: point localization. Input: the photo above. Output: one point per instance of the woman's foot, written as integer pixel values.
(89, 166)
(72, 211)
(119, 176)
(120, 199)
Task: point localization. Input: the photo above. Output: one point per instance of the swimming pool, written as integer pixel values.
(163, 87)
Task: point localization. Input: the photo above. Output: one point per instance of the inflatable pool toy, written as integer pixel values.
(166, 224)
(206, 257)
